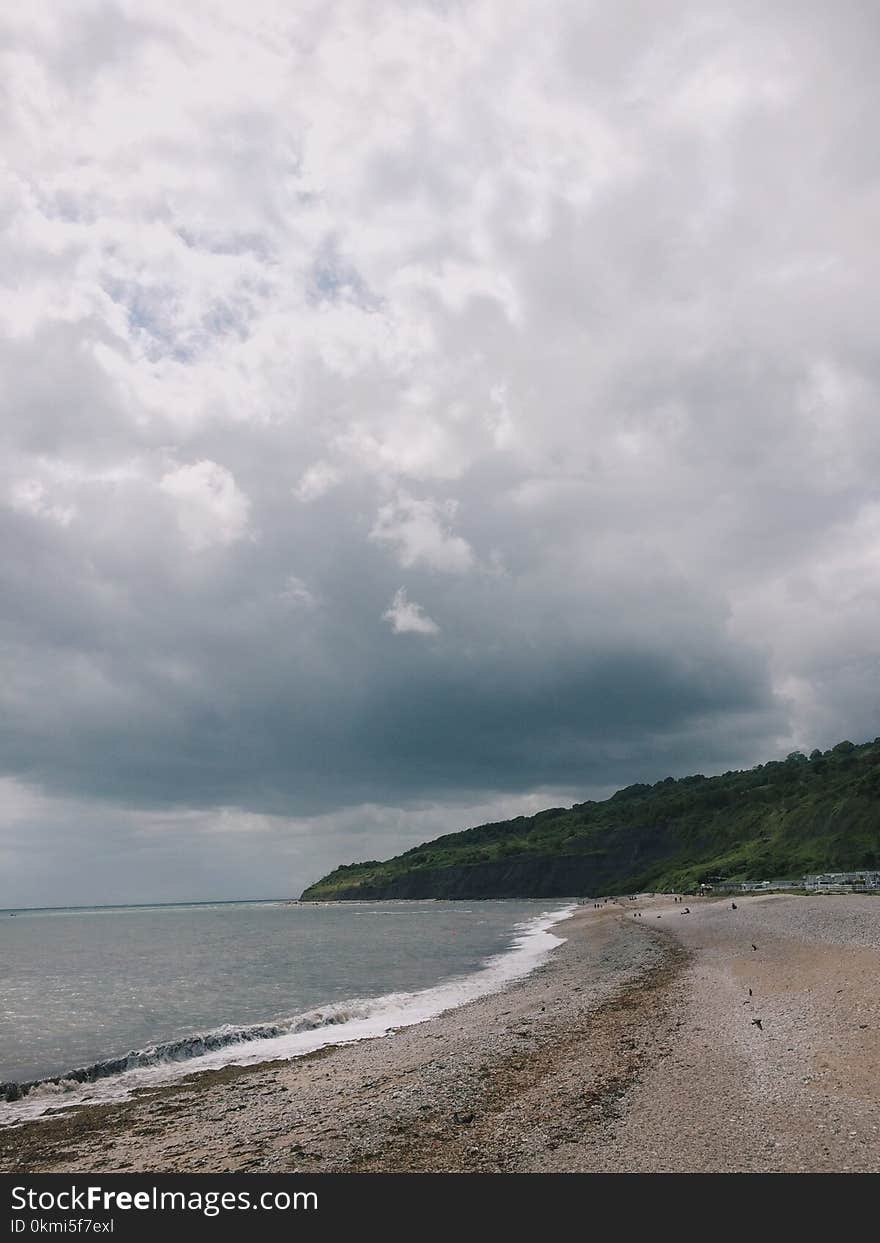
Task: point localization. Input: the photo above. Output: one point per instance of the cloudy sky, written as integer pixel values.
(417, 413)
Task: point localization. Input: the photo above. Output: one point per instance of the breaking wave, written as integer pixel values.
(186, 1048)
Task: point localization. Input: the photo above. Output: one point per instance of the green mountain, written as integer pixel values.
(786, 818)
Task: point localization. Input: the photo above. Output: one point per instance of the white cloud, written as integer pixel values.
(209, 506)
(30, 496)
(422, 534)
(316, 481)
(407, 617)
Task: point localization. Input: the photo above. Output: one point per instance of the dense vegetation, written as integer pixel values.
(782, 819)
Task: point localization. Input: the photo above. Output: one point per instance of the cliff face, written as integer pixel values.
(538, 876)
(803, 814)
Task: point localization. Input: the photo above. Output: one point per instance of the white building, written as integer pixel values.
(843, 882)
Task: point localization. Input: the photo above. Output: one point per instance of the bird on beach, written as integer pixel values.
(750, 992)
(733, 906)
(686, 911)
(757, 1023)
(754, 947)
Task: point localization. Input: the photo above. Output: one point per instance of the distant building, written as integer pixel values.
(823, 882)
(843, 882)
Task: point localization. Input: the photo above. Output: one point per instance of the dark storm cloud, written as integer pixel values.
(229, 690)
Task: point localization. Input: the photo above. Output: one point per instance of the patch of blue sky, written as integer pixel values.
(333, 279)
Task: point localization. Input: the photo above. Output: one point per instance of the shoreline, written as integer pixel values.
(631, 1047)
(115, 1079)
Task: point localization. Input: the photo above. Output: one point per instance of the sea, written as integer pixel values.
(98, 1001)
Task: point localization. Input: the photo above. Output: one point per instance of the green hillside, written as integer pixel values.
(802, 814)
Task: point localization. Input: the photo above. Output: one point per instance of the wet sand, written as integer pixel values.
(632, 1048)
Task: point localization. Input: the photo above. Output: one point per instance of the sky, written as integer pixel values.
(414, 414)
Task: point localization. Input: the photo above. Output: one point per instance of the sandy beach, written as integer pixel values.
(634, 1047)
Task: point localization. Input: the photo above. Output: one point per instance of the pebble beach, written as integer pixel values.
(636, 1046)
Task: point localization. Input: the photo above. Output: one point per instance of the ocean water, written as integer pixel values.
(96, 1002)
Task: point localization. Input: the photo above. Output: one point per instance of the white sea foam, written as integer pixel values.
(360, 1018)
